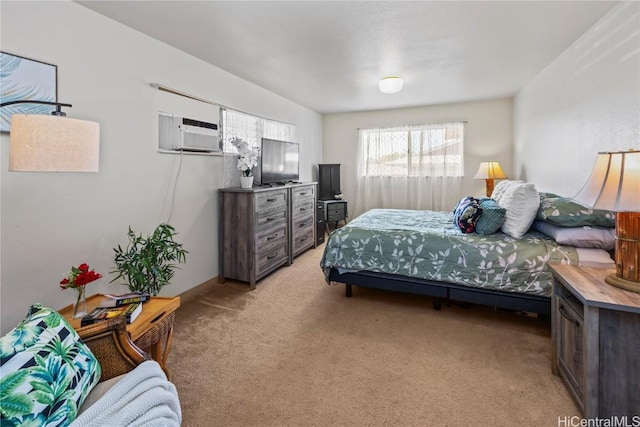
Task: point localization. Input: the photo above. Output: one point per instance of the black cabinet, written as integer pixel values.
(328, 181)
(320, 224)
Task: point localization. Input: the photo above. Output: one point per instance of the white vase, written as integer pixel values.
(246, 181)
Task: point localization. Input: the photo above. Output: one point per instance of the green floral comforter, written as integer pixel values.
(427, 245)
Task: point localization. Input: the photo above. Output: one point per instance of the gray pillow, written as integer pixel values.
(491, 218)
(580, 237)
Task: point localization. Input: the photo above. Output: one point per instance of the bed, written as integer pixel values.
(424, 252)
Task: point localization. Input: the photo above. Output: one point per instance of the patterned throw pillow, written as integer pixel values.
(566, 213)
(466, 214)
(491, 218)
(46, 371)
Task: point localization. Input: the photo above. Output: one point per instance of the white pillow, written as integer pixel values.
(502, 187)
(580, 237)
(521, 202)
(597, 258)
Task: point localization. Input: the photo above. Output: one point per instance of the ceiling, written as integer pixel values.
(329, 55)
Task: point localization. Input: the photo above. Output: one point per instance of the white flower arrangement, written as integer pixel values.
(247, 156)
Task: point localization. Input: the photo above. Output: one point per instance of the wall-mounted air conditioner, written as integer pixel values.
(183, 134)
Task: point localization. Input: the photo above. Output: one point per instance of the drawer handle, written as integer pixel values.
(566, 316)
(271, 219)
(303, 209)
(272, 200)
(303, 194)
(272, 256)
(273, 236)
(155, 319)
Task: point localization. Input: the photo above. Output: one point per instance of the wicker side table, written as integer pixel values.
(152, 331)
(157, 340)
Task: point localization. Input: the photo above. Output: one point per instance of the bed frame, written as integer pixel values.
(443, 290)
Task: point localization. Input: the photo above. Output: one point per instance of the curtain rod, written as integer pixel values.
(206, 101)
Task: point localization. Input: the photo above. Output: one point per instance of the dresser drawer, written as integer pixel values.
(304, 193)
(303, 208)
(270, 219)
(303, 239)
(273, 237)
(270, 257)
(302, 222)
(336, 211)
(270, 200)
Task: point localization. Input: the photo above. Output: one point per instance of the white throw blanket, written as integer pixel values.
(143, 397)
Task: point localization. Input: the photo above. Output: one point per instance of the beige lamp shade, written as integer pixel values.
(614, 183)
(41, 143)
(490, 170)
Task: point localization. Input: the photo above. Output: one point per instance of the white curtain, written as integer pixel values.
(236, 124)
(410, 167)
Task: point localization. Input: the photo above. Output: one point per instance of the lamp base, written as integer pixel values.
(619, 282)
(627, 274)
(488, 186)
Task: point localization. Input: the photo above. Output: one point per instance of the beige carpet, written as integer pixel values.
(297, 352)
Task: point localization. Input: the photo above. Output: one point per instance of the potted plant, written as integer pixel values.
(247, 159)
(147, 264)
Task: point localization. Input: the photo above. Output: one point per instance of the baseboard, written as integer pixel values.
(199, 289)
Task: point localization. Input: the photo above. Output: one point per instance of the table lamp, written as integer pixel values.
(489, 171)
(614, 185)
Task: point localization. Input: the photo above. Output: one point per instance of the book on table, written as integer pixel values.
(115, 300)
(100, 314)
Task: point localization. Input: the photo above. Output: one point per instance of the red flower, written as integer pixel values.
(79, 276)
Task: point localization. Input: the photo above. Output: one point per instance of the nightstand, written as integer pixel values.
(334, 212)
(152, 330)
(596, 341)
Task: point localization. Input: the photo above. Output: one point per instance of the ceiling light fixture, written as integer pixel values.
(390, 84)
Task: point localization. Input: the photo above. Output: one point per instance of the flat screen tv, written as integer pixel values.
(279, 161)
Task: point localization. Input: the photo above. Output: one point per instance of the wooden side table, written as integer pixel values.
(152, 331)
(596, 341)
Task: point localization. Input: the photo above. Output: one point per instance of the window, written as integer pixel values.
(252, 129)
(410, 167)
(433, 150)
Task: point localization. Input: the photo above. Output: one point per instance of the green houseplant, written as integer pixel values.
(147, 264)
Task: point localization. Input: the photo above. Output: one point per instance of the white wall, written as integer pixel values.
(50, 221)
(587, 100)
(488, 136)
